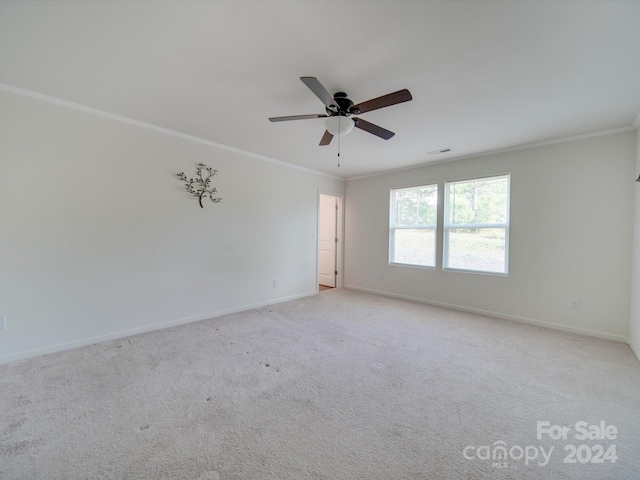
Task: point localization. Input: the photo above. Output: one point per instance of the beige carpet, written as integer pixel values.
(340, 385)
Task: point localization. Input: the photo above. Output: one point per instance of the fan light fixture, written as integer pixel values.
(339, 125)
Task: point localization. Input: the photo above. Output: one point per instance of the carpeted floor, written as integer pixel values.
(340, 385)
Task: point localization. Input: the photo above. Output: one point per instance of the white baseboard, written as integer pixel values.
(149, 328)
(220, 313)
(530, 321)
(634, 349)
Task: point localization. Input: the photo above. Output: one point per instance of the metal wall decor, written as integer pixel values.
(201, 185)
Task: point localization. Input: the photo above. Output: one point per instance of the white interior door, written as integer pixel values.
(327, 238)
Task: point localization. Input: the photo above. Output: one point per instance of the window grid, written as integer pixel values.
(412, 240)
(498, 264)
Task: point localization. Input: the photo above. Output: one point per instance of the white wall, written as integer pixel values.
(99, 239)
(571, 231)
(634, 327)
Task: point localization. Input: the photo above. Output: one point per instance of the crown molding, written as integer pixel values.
(504, 150)
(148, 126)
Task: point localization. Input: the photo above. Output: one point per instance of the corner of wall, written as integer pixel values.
(634, 320)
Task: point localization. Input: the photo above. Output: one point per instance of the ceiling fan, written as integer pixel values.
(339, 110)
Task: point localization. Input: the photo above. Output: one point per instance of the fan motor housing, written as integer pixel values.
(344, 104)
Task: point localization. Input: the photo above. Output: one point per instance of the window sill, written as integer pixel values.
(476, 272)
(411, 265)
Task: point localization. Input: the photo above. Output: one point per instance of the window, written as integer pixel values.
(476, 230)
(412, 235)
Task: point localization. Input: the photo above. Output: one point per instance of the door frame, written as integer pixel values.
(339, 243)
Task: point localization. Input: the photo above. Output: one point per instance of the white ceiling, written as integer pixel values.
(484, 75)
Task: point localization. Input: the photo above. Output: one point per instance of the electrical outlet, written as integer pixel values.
(275, 282)
(3, 323)
(574, 304)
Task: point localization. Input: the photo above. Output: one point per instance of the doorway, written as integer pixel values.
(328, 241)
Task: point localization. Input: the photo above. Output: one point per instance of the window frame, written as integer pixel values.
(447, 227)
(393, 226)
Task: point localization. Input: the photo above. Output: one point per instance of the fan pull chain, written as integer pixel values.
(339, 142)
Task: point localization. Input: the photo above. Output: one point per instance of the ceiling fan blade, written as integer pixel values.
(316, 87)
(326, 138)
(384, 101)
(373, 128)
(296, 117)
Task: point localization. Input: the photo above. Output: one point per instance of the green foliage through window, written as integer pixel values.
(416, 206)
(478, 201)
